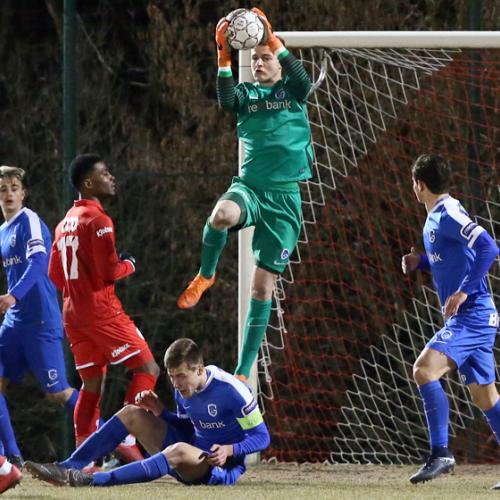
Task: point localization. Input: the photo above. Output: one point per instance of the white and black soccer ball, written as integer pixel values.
(245, 30)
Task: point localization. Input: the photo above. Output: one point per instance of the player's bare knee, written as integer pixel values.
(262, 291)
(131, 417)
(176, 453)
(222, 218)
(422, 374)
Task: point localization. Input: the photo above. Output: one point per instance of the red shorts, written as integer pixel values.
(118, 341)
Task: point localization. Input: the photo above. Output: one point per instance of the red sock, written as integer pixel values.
(87, 414)
(140, 382)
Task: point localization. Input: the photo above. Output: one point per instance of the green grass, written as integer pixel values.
(291, 482)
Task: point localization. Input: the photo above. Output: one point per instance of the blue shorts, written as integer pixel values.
(468, 339)
(29, 348)
(226, 475)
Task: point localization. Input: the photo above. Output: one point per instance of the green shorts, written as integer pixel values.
(277, 217)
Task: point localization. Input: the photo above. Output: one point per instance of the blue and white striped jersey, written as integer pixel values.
(25, 245)
(223, 412)
(449, 235)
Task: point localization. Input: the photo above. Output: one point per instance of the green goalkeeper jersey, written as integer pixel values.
(273, 125)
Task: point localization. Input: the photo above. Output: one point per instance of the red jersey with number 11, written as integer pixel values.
(84, 265)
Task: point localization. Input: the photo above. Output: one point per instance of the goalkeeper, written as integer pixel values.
(272, 123)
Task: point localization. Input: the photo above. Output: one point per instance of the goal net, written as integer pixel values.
(335, 371)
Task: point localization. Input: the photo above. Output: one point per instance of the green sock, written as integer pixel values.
(212, 245)
(255, 328)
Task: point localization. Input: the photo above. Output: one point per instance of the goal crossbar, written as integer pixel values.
(392, 39)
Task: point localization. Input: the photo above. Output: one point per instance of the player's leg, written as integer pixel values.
(276, 234)
(7, 435)
(150, 430)
(13, 366)
(91, 365)
(235, 209)
(120, 342)
(447, 350)
(257, 320)
(87, 408)
(45, 356)
(181, 460)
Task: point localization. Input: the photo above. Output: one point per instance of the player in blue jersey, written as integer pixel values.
(218, 423)
(31, 332)
(458, 252)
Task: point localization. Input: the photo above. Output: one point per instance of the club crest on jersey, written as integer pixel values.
(212, 410)
(13, 240)
(446, 334)
(285, 253)
(52, 374)
(432, 236)
(280, 94)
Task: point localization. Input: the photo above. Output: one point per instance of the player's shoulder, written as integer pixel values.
(32, 221)
(228, 383)
(453, 211)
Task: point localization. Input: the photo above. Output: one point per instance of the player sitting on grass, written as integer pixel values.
(218, 423)
(272, 123)
(458, 254)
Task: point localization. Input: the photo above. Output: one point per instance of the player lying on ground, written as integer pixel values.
(458, 254)
(84, 265)
(31, 333)
(218, 423)
(272, 123)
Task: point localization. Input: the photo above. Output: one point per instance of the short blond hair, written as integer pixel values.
(10, 172)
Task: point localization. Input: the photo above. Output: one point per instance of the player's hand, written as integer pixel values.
(127, 256)
(410, 261)
(223, 54)
(273, 42)
(218, 454)
(6, 302)
(149, 400)
(453, 303)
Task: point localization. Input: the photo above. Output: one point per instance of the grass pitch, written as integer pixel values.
(291, 482)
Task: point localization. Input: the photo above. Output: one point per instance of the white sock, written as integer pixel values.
(129, 440)
(5, 468)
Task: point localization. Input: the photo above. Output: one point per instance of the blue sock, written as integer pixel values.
(137, 472)
(104, 440)
(6, 431)
(437, 412)
(493, 417)
(71, 402)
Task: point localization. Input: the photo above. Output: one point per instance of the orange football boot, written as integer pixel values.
(196, 288)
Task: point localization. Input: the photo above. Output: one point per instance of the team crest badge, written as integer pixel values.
(432, 236)
(285, 253)
(13, 240)
(212, 410)
(446, 334)
(280, 94)
(52, 373)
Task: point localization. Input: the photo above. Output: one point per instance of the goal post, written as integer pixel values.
(335, 368)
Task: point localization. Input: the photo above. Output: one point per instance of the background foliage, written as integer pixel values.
(146, 77)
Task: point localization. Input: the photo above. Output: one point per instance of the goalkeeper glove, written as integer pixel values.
(127, 256)
(223, 55)
(273, 42)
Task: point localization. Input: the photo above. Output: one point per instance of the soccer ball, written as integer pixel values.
(245, 30)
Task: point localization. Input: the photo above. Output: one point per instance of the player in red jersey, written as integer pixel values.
(84, 265)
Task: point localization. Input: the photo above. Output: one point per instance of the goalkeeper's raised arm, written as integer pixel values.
(268, 62)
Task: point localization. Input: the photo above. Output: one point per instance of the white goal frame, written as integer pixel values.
(341, 39)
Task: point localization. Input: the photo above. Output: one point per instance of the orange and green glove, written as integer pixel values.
(273, 42)
(223, 54)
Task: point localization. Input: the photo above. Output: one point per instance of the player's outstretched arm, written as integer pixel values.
(228, 95)
(413, 260)
(299, 82)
